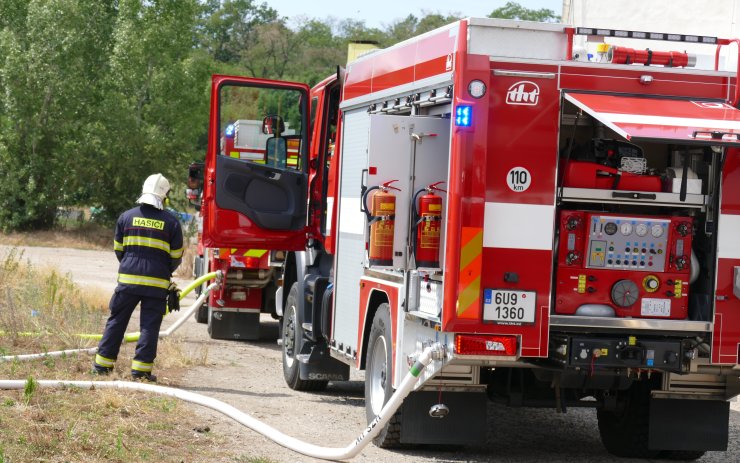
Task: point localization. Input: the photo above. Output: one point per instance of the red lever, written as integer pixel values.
(387, 186)
(434, 187)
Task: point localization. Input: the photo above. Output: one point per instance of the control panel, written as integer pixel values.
(623, 265)
(627, 243)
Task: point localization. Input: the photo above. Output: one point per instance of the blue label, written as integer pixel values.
(487, 296)
(650, 362)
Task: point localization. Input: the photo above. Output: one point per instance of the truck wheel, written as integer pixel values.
(682, 455)
(378, 379)
(624, 432)
(197, 273)
(292, 333)
(201, 315)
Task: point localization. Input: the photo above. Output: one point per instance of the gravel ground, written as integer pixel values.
(248, 375)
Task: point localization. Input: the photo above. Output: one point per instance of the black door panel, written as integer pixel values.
(271, 198)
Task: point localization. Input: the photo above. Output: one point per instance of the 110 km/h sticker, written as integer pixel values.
(518, 179)
(508, 307)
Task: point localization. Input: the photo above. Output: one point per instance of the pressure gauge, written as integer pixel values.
(641, 229)
(610, 228)
(656, 230)
(626, 228)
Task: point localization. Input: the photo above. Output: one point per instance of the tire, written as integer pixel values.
(378, 378)
(682, 455)
(624, 432)
(201, 315)
(291, 334)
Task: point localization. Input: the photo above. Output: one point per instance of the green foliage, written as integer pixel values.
(513, 10)
(29, 389)
(99, 94)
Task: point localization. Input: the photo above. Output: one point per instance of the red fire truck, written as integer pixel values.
(566, 230)
(233, 311)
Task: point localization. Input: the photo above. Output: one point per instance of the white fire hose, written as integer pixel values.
(311, 450)
(291, 443)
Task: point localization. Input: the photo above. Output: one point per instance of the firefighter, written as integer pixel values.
(149, 245)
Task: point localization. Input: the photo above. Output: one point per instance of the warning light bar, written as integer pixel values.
(646, 35)
(481, 344)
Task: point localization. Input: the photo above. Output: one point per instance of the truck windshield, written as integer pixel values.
(261, 125)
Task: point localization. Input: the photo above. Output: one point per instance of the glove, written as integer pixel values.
(173, 298)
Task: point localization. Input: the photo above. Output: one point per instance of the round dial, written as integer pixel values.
(625, 293)
(656, 230)
(641, 229)
(626, 228)
(610, 228)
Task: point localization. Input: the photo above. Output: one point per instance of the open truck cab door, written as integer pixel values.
(256, 184)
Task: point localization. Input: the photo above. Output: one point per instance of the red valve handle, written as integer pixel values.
(434, 187)
(387, 186)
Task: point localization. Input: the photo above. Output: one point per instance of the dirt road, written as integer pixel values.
(248, 376)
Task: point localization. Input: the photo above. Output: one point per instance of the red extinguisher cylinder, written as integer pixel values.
(382, 219)
(428, 228)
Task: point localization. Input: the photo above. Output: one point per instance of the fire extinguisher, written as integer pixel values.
(381, 218)
(428, 216)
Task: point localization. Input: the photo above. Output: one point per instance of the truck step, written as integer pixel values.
(307, 326)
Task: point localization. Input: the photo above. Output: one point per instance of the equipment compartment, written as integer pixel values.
(636, 223)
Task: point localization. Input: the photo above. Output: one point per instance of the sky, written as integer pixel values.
(379, 13)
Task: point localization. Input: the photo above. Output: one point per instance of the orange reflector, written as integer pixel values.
(480, 344)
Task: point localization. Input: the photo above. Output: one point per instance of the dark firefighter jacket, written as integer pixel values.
(148, 244)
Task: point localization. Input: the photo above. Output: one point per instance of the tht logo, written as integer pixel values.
(523, 93)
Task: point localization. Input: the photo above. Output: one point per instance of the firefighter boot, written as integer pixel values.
(143, 376)
(102, 371)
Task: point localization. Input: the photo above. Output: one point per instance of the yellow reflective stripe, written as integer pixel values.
(104, 362)
(176, 253)
(255, 253)
(141, 366)
(147, 242)
(143, 281)
(117, 246)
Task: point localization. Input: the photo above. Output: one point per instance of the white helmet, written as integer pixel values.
(154, 191)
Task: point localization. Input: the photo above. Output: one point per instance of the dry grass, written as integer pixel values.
(185, 270)
(100, 426)
(87, 236)
(42, 311)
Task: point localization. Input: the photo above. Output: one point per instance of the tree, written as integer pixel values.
(513, 10)
(155, 100)
(227, 26)
(52, 54)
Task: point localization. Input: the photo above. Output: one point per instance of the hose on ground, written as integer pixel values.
(129, 337)
(133, 337)
(291, 443)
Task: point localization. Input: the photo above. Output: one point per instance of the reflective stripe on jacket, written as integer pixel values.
(149, 246)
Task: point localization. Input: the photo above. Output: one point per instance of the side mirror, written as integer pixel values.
(273, 125)
(195, 184)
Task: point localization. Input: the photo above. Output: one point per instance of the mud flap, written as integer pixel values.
(318, 365)
(233, 325)
(688, 424)
(465, 424)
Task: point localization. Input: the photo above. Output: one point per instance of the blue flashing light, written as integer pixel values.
(229, 131)
(464, 116)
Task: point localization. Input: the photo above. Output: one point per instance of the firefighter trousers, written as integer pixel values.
(122, 305)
